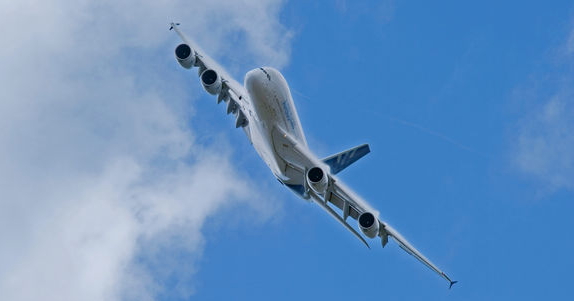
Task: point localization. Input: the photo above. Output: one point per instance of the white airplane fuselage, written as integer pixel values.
(274, 108)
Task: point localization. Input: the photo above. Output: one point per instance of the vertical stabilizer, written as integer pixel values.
(341, 160)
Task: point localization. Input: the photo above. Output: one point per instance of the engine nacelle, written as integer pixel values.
(369, 224)
(211, 81)
(317, 180)
(185, 56)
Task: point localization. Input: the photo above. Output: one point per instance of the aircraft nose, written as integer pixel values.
(254, 80)
(250, 78)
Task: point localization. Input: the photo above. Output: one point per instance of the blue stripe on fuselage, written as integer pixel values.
(288, 115)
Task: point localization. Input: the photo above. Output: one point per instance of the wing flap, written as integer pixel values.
(341, 203)
(335, 215)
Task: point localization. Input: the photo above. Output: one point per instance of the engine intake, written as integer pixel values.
(369, 224)
(317, 180)
(211, 81)
(185, 56)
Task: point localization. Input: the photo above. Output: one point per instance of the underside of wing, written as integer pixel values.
(215, 79)
(353, 206)
(405, 245)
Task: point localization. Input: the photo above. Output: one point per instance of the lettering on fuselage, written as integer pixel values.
(288, 115)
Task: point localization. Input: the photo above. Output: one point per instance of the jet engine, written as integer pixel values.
(369, 224)
(185, 56)
(317, 180)
(211, 81)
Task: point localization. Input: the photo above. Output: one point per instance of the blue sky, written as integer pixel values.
(121, 179)
(443, 93)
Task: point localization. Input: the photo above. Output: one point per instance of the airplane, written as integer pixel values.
(264, 109)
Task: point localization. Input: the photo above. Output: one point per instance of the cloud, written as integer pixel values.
(100, 177)
(545, 143)
(543, 139)
(569, 49)
(382, 11)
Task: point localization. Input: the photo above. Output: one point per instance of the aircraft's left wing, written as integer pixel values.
(215, 79)
(343, 198)
(353, 206)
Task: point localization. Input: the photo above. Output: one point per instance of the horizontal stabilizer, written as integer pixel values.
(341, 160)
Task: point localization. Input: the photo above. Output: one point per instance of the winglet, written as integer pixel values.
(451, 284)
(173, 25)
(448, 279)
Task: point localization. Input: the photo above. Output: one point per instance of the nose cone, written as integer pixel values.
(251, 79)
(255, 80)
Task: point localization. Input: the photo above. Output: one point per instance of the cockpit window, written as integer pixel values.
(266, 73)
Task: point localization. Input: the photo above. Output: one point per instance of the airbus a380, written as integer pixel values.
(264, 109)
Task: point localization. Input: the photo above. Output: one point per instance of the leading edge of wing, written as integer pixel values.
(232, 92)
(207, 61)
(405, 245)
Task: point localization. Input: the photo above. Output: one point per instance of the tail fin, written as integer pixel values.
(341, 160)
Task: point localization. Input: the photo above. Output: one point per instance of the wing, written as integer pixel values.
(353, 206)
(343, 198)
(229, 91)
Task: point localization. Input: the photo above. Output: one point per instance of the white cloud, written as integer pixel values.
(545, 144)
(383, 11)
(570, 43)
(99, 174)
(544, 140)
